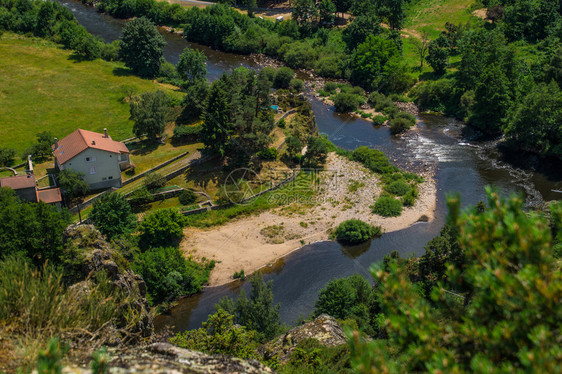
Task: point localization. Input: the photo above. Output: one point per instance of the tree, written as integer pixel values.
(112, 215)
(168, 275)
(421, 46)
(317, 151)
(257, 312)
(283, 77)
(304, 12)
(346, 102)
(149, 111)
(534, 122)
(161, 228)
(393, 11)
(342, 6)
(351, 297)
(217, 127)
(327, 10)
(355, 231)
(192, 66)
(45, 19)
(294, 145)
(141, 47)
(194, 100)
(491, 100)
(361, 27)
(503, 298)
(7, 156)
(250, 6)
(41, 150)
(73, 184)
(438, 54)
(31, 230)
(219, 335)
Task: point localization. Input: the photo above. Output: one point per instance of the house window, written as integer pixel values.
(91, 159)
(109, 177)
(92, 170)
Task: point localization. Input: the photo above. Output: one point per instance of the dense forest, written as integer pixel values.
(502, 76)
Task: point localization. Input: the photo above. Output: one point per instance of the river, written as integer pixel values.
(439, 144)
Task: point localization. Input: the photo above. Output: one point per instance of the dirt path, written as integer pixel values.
(256, 241)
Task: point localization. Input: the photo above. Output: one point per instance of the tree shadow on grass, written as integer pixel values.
(122, 72)
(78, 58)
(205, 174)
(143, 147)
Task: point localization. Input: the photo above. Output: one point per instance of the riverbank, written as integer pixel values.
(345, 190)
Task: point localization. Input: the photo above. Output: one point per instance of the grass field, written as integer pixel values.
(43, 87)
(431, 15)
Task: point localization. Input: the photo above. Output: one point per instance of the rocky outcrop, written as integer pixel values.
(96, 256)
(408, 107)
(325, 329)
(160, 358)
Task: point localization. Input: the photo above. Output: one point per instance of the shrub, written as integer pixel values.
(168, 274)
(112, 215)
(141, 196)
(399, 125)
(351, 297)
(153, 181)
(373, 159)
(346, 102)
(283, 77)
(406, 115)
(268, 154)
(187, 132)
(239, 275)
(219, 335)
(282, 123)
(379, 101)
(297, 84)
(330, 87)
(354, 231)
(399, 187)
(379, 120)
(187, 197)
(387, 206)
(161, 228)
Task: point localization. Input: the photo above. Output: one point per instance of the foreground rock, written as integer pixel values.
(160, 358)
(95, 256)
(325, 329)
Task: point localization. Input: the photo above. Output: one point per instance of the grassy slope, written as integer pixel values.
(431, 16)
(43, 88)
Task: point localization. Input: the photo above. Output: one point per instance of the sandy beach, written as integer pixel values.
(346, 191)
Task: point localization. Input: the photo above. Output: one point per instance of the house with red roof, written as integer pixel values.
(97, 156)
(25, 187)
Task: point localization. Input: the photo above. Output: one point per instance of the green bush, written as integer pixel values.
(330, 87)
(297, 84)
(374, 160)
(112, 215)
(406, 115)
(161, 228)
(399, 125)
(387, 206)
(399, 187)
(379, 120)
(154, 181)
(168, 275)
(379, 101)
(187, 132)
(187, 197)
(346, 102)
(268, 154)
(355, 231)
(283, 77)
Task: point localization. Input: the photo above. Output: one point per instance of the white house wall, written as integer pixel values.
(106, 171)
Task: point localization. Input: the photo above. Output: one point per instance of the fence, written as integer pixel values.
(160, 166)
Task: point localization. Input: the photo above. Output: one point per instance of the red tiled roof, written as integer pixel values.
(51, 195)
(80, 140)
(18, 182)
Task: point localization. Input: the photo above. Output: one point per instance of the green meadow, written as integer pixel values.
(46, 88)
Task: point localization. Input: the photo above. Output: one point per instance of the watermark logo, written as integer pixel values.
(241, 185)
(286, 186)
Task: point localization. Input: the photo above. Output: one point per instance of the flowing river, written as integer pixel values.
(439, 144)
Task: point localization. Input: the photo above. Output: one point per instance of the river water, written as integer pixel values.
(439, 144)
